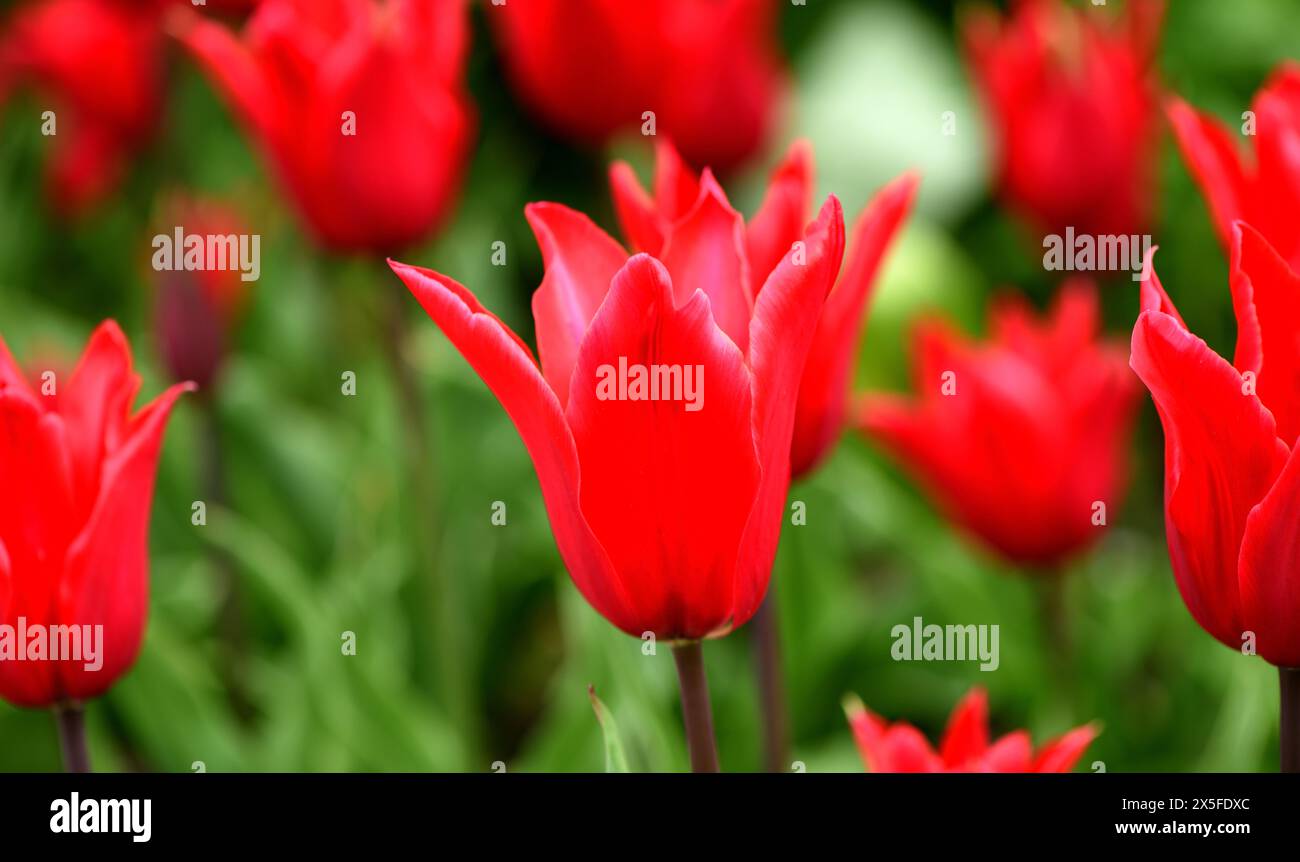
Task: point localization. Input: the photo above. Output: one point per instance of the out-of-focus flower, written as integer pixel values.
(99, 63)
(1232, 478)
(1264, 190)
(650, 221)
(1021, 438)
(1073, 106)
(661, 417)
(196, 311)
(709, 70)
(900, 747)
(360, 108)
(77, 469)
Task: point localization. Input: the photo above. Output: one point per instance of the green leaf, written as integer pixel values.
(615, 757)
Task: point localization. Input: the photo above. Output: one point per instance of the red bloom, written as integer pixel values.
(196, 311)
(1265, 190)
(99, 62)
(666, 512)
(965, 747)
(1232, 479)
(708, 69)
(77, 470)
(1020, 437)
(1072, 104)
(649, 223)
(359, 106)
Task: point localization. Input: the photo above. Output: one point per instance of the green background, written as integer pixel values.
(485, 654)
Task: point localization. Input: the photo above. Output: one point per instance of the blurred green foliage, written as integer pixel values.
(486, 653)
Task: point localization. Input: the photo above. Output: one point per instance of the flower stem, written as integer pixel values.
(71, 721)
(766, 643)
(696, 712)
(1289, 679)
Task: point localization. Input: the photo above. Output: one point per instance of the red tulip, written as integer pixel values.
(666, 512)
(899, 747)
(650, 222)
(1022, 438)
(1263, 190)
(1072, 104)
(360, 107)
(78, 471)
(708, 69)
(195, 312)
(1232, 481)
(99, 64)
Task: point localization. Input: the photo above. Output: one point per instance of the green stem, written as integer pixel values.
(1289, 680)
(696, 711)
(71, 721)
(766, 644)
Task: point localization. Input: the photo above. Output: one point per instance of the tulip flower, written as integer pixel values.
(78, 471)
(965, 747)
(99, 65)
(1020, 438)
(648, 221)
(359, 107)
(1232, 479)
(665, 496)
(1073, 109)
(196, 311)
(708, 70)
(1263, 190)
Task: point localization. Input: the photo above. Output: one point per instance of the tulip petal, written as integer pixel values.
(642, 224)
(580, 260)
(1269, 563)
(106, 579)
(505, 364)
(676, 187)
(94, 404)
(1062, 753)
(1013, 752)
(1211, 155)
(667, 484)
(1221, 457)
(781, 217)
(828, 374)
(967, 734)
(1266, 297)
(705, 251)
(35, 527)
(786, 312)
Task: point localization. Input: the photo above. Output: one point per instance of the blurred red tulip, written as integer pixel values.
(1021, 439)
(708, 69)
(666, 512)
(195, 312)
(1264, 190)
(1232, 478)
(1073, 107)
(649, 223)
(78, 472)
(359, 106)
(899, 747)
(99, 62)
